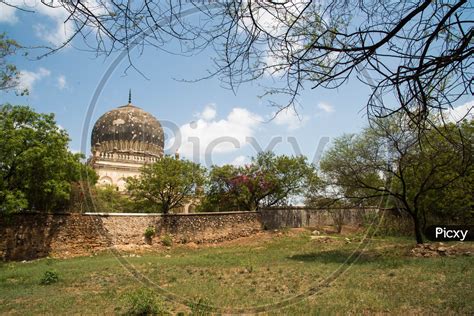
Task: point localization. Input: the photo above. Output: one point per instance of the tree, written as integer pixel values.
(220, 195)
(391, 162)
(36, 167)
(108, 199)
(419, 50)
(167, 184)
(268, 181)
(9, 74)
(454, 202)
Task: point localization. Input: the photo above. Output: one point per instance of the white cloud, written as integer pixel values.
(290, 118)
(63, 28)
(325, 107)
(239, 161)
(28, 78)
(208, 113)
(57, 36)
(7, 14)
(62, 83)
(208, 136)
(461, 112)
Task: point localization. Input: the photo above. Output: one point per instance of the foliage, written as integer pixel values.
(143, 302)
(9, 74)
(86, 197)
(268, 181)
(109, 200)
(36, 167)
(166, 240)
(168, 183)
(149, 232)
(49, 277)
(452, 202)
(392, 163)
(219, 195)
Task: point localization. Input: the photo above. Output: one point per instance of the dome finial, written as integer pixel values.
(130, 96)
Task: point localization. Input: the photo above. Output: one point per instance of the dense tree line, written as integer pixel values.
(428, 177)
(269, 180)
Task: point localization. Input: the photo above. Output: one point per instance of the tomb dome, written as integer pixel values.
(128, 129)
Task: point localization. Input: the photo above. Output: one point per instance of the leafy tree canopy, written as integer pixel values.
(36, 167)
(167, 184)
(269, 180)
(423, 176)
(9, 73)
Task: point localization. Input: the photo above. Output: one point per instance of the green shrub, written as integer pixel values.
(149, 232)
(143, 302)
(166, 240)
(49, 277)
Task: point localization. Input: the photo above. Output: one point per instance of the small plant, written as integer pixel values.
(49, 277)
(49, 261)
(166, 240)
(149, 232)
(200, 307)
(142, 302)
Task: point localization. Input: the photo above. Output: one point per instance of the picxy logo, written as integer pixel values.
(450, 232)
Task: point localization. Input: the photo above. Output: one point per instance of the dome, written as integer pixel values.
(128, 129)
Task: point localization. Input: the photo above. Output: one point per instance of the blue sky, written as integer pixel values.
(64, 83)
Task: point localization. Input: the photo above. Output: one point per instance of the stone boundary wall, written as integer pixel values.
(275, 218)
(36, 235)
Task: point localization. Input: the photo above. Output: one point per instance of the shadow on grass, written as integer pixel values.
(348, 256)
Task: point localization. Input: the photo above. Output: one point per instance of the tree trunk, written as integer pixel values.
(165, 208)
(417, 225)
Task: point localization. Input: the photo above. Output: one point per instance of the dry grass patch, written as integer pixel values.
(253, 271)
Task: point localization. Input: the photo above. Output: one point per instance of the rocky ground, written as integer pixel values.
(443, 249)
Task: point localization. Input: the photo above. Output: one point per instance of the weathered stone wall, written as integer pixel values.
(275, 218)
(29, 236)
(386, 221)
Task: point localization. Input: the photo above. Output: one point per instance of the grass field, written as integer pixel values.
(259, 270)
